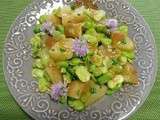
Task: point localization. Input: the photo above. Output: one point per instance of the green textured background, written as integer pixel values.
(9, 9)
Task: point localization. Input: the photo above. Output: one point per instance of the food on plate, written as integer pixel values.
(80, 55)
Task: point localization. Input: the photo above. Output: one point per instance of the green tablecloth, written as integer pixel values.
(9, 9)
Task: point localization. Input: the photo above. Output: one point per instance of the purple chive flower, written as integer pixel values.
(112, 23)
(80, 47)
(58, 90)
(48, 27)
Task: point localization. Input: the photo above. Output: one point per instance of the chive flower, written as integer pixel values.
(80, 47)
(58, 90)
(112, 24)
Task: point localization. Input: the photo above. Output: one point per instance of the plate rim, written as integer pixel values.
(126, 116)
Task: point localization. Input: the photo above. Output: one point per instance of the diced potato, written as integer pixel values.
(109, 52)
(56, 54)
(78, 19)
(130, 74)
(129, 68)
(77, 88)
(98, 14)
(59, 55)
(117, 36)
(66, 19)
(65, 11)
(54, 74)
(55, 20)
(67, 43)
(113, 53)
(58, 36)
(72, 18)
(89, 98)
(82, 73)
(97, 60)
(79, 10)
(100, 92)
(92, 48)
(73, 30)
(68, 54)
(128, 45)
(49, 42)
(87, 3)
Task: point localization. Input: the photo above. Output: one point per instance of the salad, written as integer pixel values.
(80, 55)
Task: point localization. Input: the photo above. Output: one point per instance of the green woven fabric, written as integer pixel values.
(9, 9)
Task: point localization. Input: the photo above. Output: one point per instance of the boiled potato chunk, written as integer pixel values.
(57, 54)
(89, 98)
(87, 3)
(72, 19)
(49, 42)
(130, 74)
(73, 30)
(128, 45)
(117, 36)
(78, 19)
(55, 20)
(54, 74)
(77, 88)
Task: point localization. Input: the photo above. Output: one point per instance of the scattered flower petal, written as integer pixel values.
(48, 27)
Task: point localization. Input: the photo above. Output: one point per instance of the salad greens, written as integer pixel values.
(80, 55)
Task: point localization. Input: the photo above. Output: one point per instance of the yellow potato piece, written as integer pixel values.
(130, 74)
(55, 20)
(71, 18)
(89, 98)
(57, 55)
(129, 46)
(54, 74)
(73, 30)
(77, 88)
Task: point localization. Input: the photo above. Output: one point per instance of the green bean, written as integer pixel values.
(75, 61)
(38, 64)
(117, 81)
(43, 18)
(104, 79)
(77, 105)
(123, 29)
(63, 64)
(106, 41)
(43, 85)
(37, 28)
(38, 73)
(60, 28)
